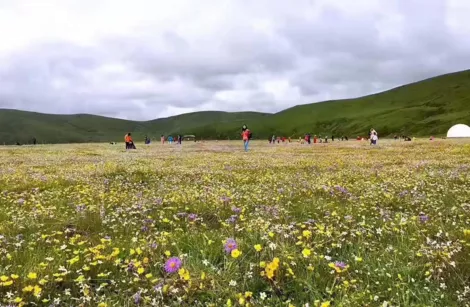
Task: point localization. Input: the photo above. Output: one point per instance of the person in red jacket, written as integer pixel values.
(246, 135)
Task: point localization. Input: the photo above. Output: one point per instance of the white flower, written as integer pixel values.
(262, 296)
(376, 298)
(272, 246)
(233, 283)
(9, 295)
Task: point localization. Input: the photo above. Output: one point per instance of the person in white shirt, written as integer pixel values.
(374, 138)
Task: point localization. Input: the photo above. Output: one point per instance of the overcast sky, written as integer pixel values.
(144, 59)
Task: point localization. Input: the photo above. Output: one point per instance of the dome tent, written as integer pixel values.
(459, 131)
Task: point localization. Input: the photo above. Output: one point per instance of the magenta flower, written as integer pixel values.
(172, 265)
(230, 245)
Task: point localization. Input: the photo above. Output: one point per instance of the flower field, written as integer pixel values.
(206, 224)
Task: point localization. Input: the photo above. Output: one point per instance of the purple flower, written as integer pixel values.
(21, 201)
(232, 219)
(423, 218)
(130, 267)
(192, 217)
(137, 298)
(172, 265)
(158, 287)
(225, 199)
(340, 264)
(230, 245)
(236, 210)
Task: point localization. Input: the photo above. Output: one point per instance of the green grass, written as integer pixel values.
(425, 108)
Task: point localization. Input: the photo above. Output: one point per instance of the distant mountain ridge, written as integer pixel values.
(423, 108)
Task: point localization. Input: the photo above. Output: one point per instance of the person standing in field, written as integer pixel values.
(371, 134)
(374, 138)
(126, 139)
(162, 139)
(246, 136)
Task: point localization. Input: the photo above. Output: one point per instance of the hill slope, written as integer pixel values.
(423, 108)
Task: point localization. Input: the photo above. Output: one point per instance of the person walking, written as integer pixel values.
(246, 136)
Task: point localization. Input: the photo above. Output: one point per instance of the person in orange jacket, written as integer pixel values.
(129, 141)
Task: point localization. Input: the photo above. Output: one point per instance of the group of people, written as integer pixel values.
(170, 139)
(308, 139)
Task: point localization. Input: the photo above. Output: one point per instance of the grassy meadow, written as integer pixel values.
(206, 224)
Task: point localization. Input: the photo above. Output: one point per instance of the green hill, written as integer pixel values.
(423, 108)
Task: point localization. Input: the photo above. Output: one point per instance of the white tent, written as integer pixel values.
(459, 131)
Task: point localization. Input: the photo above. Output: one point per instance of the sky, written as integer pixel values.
(147, 59)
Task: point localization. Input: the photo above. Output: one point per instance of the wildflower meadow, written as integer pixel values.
(206, 224)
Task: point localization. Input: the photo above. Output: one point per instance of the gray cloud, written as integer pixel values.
(235, 55)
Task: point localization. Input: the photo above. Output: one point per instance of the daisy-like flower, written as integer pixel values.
(230, 245)
(172, 265)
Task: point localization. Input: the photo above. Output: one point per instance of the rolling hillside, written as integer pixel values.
(423, 108)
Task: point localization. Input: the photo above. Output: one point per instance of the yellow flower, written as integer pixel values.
(262, 264)
(168, 253)
(140, 270)
(307, 233)
(28, 289)
(184, 274)
(6, 283)
(358, 259)
(18, 300)
(32, 275)
(236, 253)
(149, 275)
(4, 278)
(14, 276)
(248, 294)
(271, 234)
(306, 252)
(102, 305)
(325, 304)
(258, 247)
(37, 291)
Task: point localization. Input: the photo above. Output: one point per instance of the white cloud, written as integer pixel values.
(144, 59)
